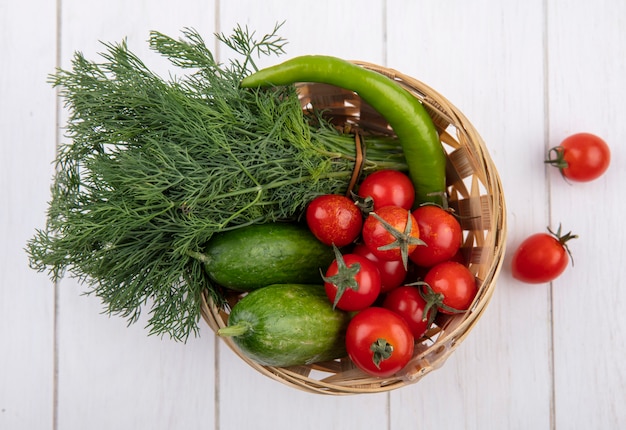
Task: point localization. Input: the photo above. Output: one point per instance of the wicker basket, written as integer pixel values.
(475, 193)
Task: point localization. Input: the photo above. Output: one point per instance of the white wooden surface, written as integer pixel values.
(526, 72)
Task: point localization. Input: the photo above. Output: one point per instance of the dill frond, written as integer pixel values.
(154, 168)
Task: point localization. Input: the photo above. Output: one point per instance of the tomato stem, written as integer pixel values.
(382, 351)
(563, 239)
(365, 204)
(434, 302)
(556, 158)
(444, 201)
(403, 239)
(344, 278)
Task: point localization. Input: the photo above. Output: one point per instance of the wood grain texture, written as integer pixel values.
(526, 74)
(27, 145)
(586, 92)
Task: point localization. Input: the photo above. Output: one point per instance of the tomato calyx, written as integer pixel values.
(563, 239)
(556, 158)
(344, 278)
(382, 351)
(434, 302)
(403, 239)
(365, 204)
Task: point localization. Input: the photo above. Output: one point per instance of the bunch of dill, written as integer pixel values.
(155, 167)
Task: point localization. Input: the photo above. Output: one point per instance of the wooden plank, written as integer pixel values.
(249, 399)
(348, 30)
(587, 91)
(27, 130)
(120, 377)
(472, 53)
(111, 376)
(542, 357)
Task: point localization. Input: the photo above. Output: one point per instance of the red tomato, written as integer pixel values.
(541, 257)
(440, 231)
(408, 302)
(388, 188)
(450, 286)
(334, 219)
(392, 273)
(379, 342)
(581, 157)
(352, 282)
(391, 233)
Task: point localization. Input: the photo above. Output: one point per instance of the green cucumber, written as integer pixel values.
(287, 325)
(259, 255)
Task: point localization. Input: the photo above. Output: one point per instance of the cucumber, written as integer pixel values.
(259, 255)
(287, 325)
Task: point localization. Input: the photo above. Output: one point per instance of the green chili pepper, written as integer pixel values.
(405, 113)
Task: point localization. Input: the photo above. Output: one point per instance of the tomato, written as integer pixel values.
(352, 282)
(388, 188)
(408, 302)
(379, 342)
(440, 231)
(334, 219)
(392, 273)
(541, 257)
(450, 286)
(391, 233)
(581, 157)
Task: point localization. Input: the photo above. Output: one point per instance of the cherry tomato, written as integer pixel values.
(388, 188)
(392, 273)
(440, 231)
(379, 342)
(541, 257)
(450, 286)
(408, 302)
(391, 233)
(581, 157)
(334, 219)
(352, 282)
